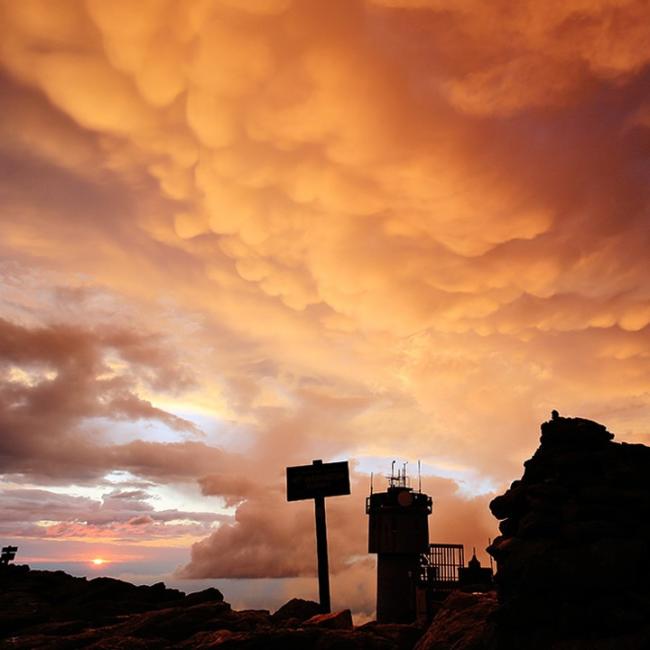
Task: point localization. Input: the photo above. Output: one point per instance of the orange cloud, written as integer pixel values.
(370, 229)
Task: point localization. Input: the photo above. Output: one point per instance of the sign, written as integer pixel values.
(8, 554)
(318, 480)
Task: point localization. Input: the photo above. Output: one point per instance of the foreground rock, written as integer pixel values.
(335, 621)
(54, 598)
(464, 622)
(573, 558)
(46, 610)
(296, 610)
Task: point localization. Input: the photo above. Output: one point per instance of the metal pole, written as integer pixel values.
(321, 552)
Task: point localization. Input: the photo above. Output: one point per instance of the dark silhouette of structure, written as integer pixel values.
(398, 531)
(412, 574)
(317, 481)
(474, 577)
(8, 554)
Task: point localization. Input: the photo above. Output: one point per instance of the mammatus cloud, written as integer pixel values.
(371, 229)
(314, 155)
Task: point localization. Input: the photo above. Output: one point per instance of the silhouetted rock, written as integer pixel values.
(178, 623)
(30, 598)
(296, 609)
(404, 635)
(209, 595)
(50, 610)
(286, 639)
(335, 621)
(462, 623)
(573, 557)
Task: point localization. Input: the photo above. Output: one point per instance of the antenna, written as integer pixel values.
(404, 475)
(371, 476)
(419, 478)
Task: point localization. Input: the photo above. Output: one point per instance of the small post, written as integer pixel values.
(321, 551)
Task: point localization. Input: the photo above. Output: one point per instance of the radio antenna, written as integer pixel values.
(419, 478)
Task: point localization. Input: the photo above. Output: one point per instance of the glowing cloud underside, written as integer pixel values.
(373, 229)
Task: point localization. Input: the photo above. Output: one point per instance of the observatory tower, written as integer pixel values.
(398, 531)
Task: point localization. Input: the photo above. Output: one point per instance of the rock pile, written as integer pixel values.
(52, 610)
(574, 556)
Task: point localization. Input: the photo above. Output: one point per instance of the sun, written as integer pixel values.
(98, 561)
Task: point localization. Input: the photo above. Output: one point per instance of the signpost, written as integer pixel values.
(317, 481)
(8, 554)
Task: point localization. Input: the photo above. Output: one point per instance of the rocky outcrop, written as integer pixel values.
(335, 621)
(47, 610)
(574, 555)
(464, 622)
(296, 610)
(54, 598)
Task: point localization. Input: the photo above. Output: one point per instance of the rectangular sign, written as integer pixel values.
(318, 480)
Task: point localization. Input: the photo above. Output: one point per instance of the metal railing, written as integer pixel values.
(439, 567)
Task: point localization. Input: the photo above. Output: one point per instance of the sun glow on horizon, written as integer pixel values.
(98, 561)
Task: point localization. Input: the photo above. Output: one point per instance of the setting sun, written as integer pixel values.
(98, 561)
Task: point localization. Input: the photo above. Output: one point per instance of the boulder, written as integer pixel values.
(178, 623)
(209, 595)
(296, 608)
(403, 635)
(463, 623)
(335, 621)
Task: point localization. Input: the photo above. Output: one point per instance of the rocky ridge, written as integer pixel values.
(44, 610)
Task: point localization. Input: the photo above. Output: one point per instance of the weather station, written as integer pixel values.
(398, 532)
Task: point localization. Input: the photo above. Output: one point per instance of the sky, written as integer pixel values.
(239, 235)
